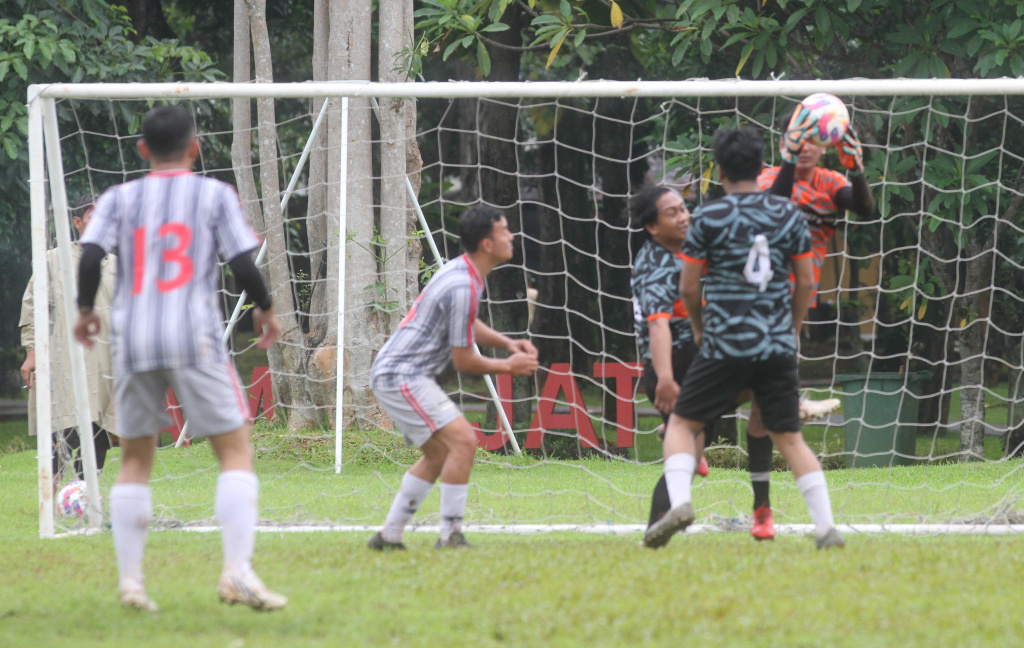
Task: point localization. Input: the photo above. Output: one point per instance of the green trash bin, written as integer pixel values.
(877, 408)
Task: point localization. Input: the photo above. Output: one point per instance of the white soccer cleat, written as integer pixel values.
(676, 520)
(831, 539)
(249, 590)
(133, 596)
(812, 410)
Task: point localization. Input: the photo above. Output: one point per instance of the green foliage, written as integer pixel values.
(83, 41)
(799, 38)
(55, 41)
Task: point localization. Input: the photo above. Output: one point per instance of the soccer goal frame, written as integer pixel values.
(45, 162)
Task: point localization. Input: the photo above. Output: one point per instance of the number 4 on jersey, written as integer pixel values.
(758, 270)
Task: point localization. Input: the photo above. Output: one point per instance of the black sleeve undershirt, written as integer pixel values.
(783, 185)
(246, 272)
(250, 280)
(856, 197)
(89, 274)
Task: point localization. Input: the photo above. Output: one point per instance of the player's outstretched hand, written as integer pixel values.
(267, 323)
(665, 395)
(851, 156)
(523, 346)
(522, 364)
(797, 133)
(86, 327)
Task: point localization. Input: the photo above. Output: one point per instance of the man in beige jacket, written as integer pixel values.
(98, 369)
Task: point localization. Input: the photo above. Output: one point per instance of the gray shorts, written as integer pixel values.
(419, 408)
(210, 395)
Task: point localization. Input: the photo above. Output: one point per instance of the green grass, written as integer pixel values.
(564, 589)
(14, 437)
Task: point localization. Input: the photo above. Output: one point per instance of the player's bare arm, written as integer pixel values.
(667, 389)
(466, 359)
(803, 270)
(488, 337)
(689, 289)
(264, 317)
(267, 322)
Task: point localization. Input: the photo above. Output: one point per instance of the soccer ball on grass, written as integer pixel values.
(71, 500)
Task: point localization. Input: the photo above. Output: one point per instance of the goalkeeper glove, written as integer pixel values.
(850, 154)
(801, 125)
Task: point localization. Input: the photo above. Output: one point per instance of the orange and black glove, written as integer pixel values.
(800, 128)
(851, 156)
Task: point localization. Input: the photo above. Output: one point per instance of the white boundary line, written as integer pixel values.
(627, 529)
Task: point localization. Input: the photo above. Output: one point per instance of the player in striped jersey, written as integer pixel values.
(747, 331)
(169, 227)
(442, 327)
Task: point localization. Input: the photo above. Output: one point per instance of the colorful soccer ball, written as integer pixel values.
(71, 499)
(830, 118)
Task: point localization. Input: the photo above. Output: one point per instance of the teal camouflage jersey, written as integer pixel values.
(656, 295)
(747, 242)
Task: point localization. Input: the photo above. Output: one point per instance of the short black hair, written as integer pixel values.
(643, 207)
(82, 205)
(476, 224)
(739, 153)
(168, 131)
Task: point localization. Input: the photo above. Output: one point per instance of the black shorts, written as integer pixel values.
(711, 388)
(681, 360)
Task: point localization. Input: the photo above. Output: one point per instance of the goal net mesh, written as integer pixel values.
(916, 327)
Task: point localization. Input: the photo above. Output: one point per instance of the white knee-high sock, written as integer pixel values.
(236, 507)
(679, 470)
(453, 508)
(408, 500)
(130, 510)
(815, 492)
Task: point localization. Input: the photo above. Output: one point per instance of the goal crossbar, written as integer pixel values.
(461, 89)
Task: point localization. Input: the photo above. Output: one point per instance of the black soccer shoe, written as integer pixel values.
(378, 543)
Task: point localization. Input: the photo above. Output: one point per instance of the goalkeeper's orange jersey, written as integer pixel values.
(816, 198)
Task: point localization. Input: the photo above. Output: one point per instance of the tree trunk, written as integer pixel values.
(323, 303)
(394, 205)
(932, 342)
(241, 160)
(349, 59)
(413, 168)
(499, 186)
(1015, 417)
(567, 303)
(978, 287)
(302, 411)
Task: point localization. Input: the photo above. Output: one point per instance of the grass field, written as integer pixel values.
(564, 589)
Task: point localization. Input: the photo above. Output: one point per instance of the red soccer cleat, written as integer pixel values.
(763, 528)
(702, 467)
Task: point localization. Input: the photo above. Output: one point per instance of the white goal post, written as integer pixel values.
(922, 168)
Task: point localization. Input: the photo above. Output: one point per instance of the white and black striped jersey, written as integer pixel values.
(747, 242)
(442, 318)
(169, 227)
(655, 284)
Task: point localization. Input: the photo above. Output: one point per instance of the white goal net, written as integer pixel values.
(917, 326)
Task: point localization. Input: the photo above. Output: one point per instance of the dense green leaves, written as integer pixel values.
(52, 41)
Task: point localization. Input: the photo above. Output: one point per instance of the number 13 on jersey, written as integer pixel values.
(174, 255)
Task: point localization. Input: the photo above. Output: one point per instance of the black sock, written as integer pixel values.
(761, 494)
(759, 450)
(660, 503)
